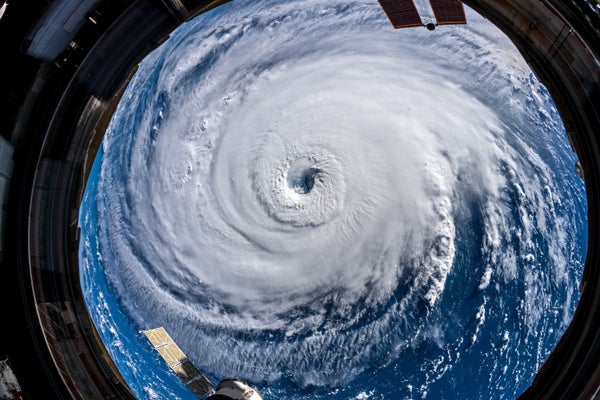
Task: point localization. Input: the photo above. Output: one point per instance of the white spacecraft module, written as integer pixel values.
(234, 389)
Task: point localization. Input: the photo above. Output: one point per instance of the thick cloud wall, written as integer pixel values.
(301, 194)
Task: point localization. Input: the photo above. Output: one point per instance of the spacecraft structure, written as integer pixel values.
(404, 13)
(202, 387)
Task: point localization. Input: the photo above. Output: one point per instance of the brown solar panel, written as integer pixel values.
(401, 13)
(448, 12)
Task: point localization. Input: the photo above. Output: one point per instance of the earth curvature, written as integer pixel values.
(328, 208)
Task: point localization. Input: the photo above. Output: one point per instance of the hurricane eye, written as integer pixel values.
(302, 182)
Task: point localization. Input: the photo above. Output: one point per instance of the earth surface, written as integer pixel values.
(328, 208)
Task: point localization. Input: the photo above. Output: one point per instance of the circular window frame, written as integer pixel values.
(70, 104)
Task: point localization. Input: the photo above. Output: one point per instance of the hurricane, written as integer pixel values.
(313, 201)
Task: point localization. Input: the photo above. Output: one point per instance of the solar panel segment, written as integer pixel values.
(448, 12)
(178, 362)
(401, 13)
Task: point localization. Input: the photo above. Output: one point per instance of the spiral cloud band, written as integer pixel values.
(290, 188)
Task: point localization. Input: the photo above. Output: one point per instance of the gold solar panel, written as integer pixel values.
(158, 337)
(171, 353)
(178, 362)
